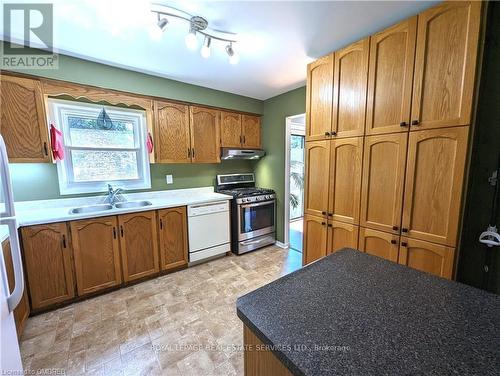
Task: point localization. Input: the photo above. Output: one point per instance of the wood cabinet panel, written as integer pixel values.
(315, 238)
(173, 237)
(319, 98)
(345, 179)
(251, 132)
(434, 180)
(341, 235)
(22, 311)
(205, 135)
(23, 125)
(47, 254)
(96, 251)
(384, 162)
(138, 245)
(427, 257)
(230, 130)
(390, 78)
(172, 139)
(317, 155)
(379, 243)
(349, 89)
(445, 64)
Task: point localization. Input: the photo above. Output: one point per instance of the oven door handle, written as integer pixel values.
(253, 205)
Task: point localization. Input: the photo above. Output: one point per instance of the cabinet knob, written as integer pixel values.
(404, 230)
(393, 241)
(64, 241)
(45, 149)
(327, 134)
(161, 224)
(333, 133)
(189, 152)
(121, 231)
(323, 223)
(404, 244)
(414, 122)
(395, 228)
(323, 212)
(330, 214)
(403, 124)
(114, 233)
(330, 225)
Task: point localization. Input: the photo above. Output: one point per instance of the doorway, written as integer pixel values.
(294, 180)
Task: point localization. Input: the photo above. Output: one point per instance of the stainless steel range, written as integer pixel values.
(253, 212)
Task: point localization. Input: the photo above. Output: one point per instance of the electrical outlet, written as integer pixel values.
(169, 179)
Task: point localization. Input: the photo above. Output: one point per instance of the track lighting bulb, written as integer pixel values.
(205, 50)
(162, 23)
(191, 40)
(233, 56)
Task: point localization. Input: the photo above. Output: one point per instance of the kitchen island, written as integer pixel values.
(352, 313)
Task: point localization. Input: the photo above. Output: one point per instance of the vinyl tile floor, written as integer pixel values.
(183, 323)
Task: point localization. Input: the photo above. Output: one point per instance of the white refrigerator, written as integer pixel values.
(10, 357)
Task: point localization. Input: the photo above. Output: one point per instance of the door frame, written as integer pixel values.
(289, 123)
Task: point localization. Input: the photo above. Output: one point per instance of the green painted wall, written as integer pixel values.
(270, 171)
(39, 181)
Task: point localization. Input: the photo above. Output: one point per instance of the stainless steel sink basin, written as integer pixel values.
(132, 204)
(91, 209)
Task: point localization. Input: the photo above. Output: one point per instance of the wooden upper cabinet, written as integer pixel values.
(445, 64)
(319, 98)
(379, 243)
(341, 235)
(251, 132)
(173, 236)
(205, 135)
(230, 130)
(349, 89)
(433, 188)
(390, 78)
(383, 180)
(23, 124)
(47, 254)
(345, 179)
(316, 177)
(427, 257)
(138, 245)
(315, 238)
(96, 251)
(172, 140)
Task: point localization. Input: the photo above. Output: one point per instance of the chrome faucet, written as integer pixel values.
(111, 198)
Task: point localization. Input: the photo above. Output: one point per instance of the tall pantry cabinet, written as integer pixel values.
(385, 159)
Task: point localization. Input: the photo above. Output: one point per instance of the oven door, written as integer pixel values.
(256, 219)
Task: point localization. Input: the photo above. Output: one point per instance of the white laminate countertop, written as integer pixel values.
(50, 211)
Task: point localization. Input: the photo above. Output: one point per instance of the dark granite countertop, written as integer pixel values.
(374, 317)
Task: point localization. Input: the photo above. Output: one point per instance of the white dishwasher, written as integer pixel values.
(209, 230)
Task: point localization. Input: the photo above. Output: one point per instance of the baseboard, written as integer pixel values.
(282, 245)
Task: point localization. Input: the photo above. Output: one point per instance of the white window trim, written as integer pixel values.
(60, 108)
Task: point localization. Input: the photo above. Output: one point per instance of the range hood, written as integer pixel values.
(229, 153)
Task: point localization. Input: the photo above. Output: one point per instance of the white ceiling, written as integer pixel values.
(276, 39)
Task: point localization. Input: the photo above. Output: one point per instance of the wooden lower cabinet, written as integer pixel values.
(22, 311)
(427, 257)
(49, 270)
(379, 243)
(173, 236)
(341, 235)
(138, 245)
(315, 238)
(96, 251)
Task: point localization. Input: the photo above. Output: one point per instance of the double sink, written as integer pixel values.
(105, 207)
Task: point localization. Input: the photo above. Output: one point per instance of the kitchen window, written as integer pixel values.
(102, 145)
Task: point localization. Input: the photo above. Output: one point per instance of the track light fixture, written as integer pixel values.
(197, 25)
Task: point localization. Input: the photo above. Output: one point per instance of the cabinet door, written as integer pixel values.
(345, 179)
(341, 235)
(378, 243)
(22, 311)
(97, 254)
(315, 238)
(349, 89)
(427, 257)
(390, 78)
(230, 130)
(205, 135)
(138, 245)
(316, 177)
(172, 140)
(319, 99)
(445, 64)
(173, 237)
(384, 163)
(251, 132)
(47, 255)
(23, 124)
(433, 188)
